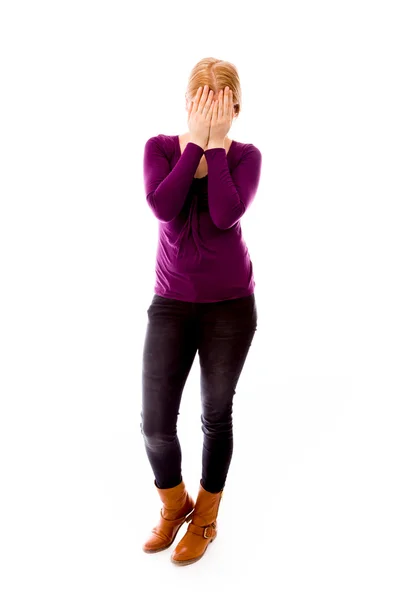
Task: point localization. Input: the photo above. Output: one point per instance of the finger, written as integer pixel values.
(203, 98)
(208, 103)
(214, 111)
(220, 105)
(226, 102)
(197, 99)
(217, 105)
(208, 115)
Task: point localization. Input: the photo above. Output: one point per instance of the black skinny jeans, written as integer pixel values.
(222, 333)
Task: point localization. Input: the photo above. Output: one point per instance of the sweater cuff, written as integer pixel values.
(214, 150)
(198, 148)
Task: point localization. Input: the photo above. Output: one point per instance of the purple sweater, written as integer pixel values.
(201, 255)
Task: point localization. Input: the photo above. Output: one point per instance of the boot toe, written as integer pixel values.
(181, 553)
(190, 548)
(156, 543)
(154, 546)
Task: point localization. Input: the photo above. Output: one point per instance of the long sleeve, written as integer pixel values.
(166, 190)
(230, 195)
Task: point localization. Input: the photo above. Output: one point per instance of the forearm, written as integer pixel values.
(224, 202)
(167, 200)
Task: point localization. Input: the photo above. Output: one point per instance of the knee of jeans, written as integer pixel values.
(218, 426)
(156, 440)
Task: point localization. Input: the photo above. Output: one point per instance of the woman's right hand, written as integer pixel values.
(199, 117)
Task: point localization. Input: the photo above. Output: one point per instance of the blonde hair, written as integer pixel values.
(217, 74)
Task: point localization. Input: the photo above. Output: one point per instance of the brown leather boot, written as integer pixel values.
(201, 531)
(177, 508)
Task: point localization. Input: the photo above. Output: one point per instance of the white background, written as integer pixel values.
(311, 504)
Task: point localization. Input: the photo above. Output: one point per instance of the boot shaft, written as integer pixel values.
(206, 507)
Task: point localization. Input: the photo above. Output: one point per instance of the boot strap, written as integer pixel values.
(176, 521)
(159, 529)
(206, 531)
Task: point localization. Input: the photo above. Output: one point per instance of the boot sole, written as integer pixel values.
(188, 518)
(182, 563)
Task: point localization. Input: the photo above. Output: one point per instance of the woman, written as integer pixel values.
(198, 186)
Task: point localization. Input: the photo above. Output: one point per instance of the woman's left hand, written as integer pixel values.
(222, 116)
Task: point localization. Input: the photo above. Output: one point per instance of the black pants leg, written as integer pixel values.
(225, 335)
(222, 332)
(169, 350)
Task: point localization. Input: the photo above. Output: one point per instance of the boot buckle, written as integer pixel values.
(212, 526)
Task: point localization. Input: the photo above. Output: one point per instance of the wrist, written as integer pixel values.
(194, 141)
(215, 144)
